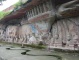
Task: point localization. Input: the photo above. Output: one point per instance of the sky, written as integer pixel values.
(7, 3)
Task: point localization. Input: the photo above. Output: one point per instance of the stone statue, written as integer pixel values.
(32, 39)
(69, 9)
(66, 10)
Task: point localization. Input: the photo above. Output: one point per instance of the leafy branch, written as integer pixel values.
(2, 14)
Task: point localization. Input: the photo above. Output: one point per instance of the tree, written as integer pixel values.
(1, 1)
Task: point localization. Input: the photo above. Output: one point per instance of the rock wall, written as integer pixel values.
(34, 32)
(65, 33)
(57, 28)
(11, 33)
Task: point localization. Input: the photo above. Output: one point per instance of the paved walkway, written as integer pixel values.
(15, 54)
(35, 54)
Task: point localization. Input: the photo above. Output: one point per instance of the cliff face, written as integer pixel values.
(54, 23)
(66, 31)
(65, 28)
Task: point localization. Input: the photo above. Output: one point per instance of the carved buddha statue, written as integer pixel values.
(69, 9)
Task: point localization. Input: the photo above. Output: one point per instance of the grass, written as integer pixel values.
(26, 45)
(67, 51)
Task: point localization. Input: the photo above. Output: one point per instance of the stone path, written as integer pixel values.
(15, 54)
(34, 54)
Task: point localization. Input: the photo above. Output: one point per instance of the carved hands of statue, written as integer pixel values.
(69, 9)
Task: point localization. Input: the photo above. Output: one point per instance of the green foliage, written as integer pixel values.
(36, 46)
(17, 4)
(2, 14)
(1, 1)
(66, 51)
(40, 43)
(26, 45)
